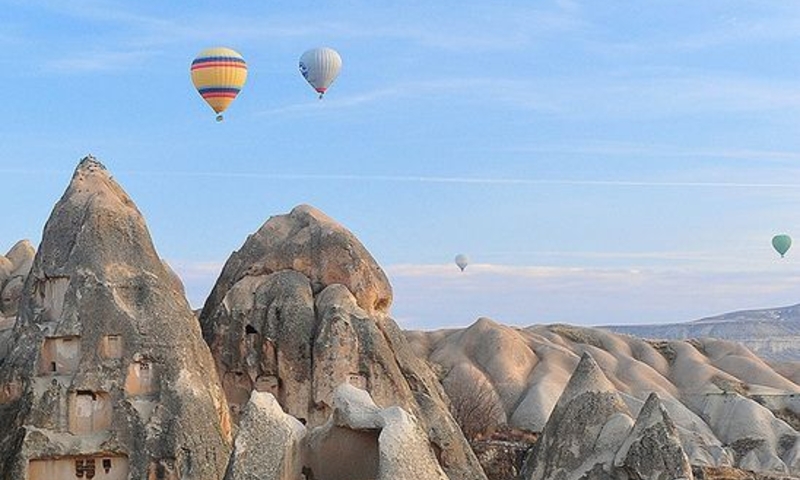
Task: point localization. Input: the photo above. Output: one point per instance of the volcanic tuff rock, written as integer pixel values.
(109, 376)
(268, 445)
(14, 268)
(588, 425)
(697, 381)
(653, 449)
(300, 309)
(309, 242)
(362, 440)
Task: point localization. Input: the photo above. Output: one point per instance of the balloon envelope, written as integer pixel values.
(462, 261)
(218, 75)
(781, 243)
(320, 67)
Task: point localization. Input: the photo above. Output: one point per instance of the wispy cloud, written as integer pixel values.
(433, 296)
(482, 181)
(99, 61)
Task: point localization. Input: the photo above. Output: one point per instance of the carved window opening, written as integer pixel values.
(250, 330)
(89, 412)
(114, 467)
(142, 377)
(112, 346)
(85, 467)
(59, 355)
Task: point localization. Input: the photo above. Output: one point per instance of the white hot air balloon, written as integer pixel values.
(320, 67)
(462, 261)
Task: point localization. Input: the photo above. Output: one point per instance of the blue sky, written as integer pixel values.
(600, 162)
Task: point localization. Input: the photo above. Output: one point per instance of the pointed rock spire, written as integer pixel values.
(653, 449)
(109, 370)
(587, 426)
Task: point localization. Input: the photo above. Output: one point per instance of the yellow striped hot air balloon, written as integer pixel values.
(218, 75)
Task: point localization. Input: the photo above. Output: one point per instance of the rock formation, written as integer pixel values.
(362, 440)
(109, 377)
(701, 383)
(588, 425)
(268, 444)
(302, 308)
(653, 449)
(14, 268)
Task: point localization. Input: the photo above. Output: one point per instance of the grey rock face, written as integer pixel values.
(14, 267)
(268, 445)
(109, 373)
(362, 440)
(587, 427)
(653, 449)
(310, 322)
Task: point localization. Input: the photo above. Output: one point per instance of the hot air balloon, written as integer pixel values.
(462, 261)
(218, 75)
(781, 243)
(320, 67)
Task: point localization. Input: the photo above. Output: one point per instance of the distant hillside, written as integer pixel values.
(731, 409)
(773, 333)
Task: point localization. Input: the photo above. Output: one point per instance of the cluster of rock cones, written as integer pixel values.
(295, 370)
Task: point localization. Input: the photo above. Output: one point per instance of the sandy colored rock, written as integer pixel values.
(109, 368)
(686, 375)
(14, 268)
(287, 332)
(309, 242)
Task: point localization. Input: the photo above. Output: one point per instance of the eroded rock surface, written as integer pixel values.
(309, 242)
(730, 408)
(109, 377)
(300, 309)
(653, 449)
(362, 440)
(589, 424)
(14, 268)
(268, 444)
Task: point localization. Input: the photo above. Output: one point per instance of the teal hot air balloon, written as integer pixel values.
(781, 243)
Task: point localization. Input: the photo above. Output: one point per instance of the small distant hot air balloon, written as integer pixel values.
(320, 67)
(462, 261)
(218, 75)
(781, 243)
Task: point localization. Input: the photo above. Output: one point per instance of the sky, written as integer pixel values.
(599, 162)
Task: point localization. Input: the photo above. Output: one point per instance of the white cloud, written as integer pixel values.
(434, 296)
(99, 61)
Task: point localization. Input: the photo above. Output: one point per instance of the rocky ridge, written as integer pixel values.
(729, 407)
(772, 333)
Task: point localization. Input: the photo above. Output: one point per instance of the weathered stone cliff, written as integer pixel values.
(109, 376)
(14, 268)
(302, 308)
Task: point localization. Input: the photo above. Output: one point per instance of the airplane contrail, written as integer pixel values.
(431, 179)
